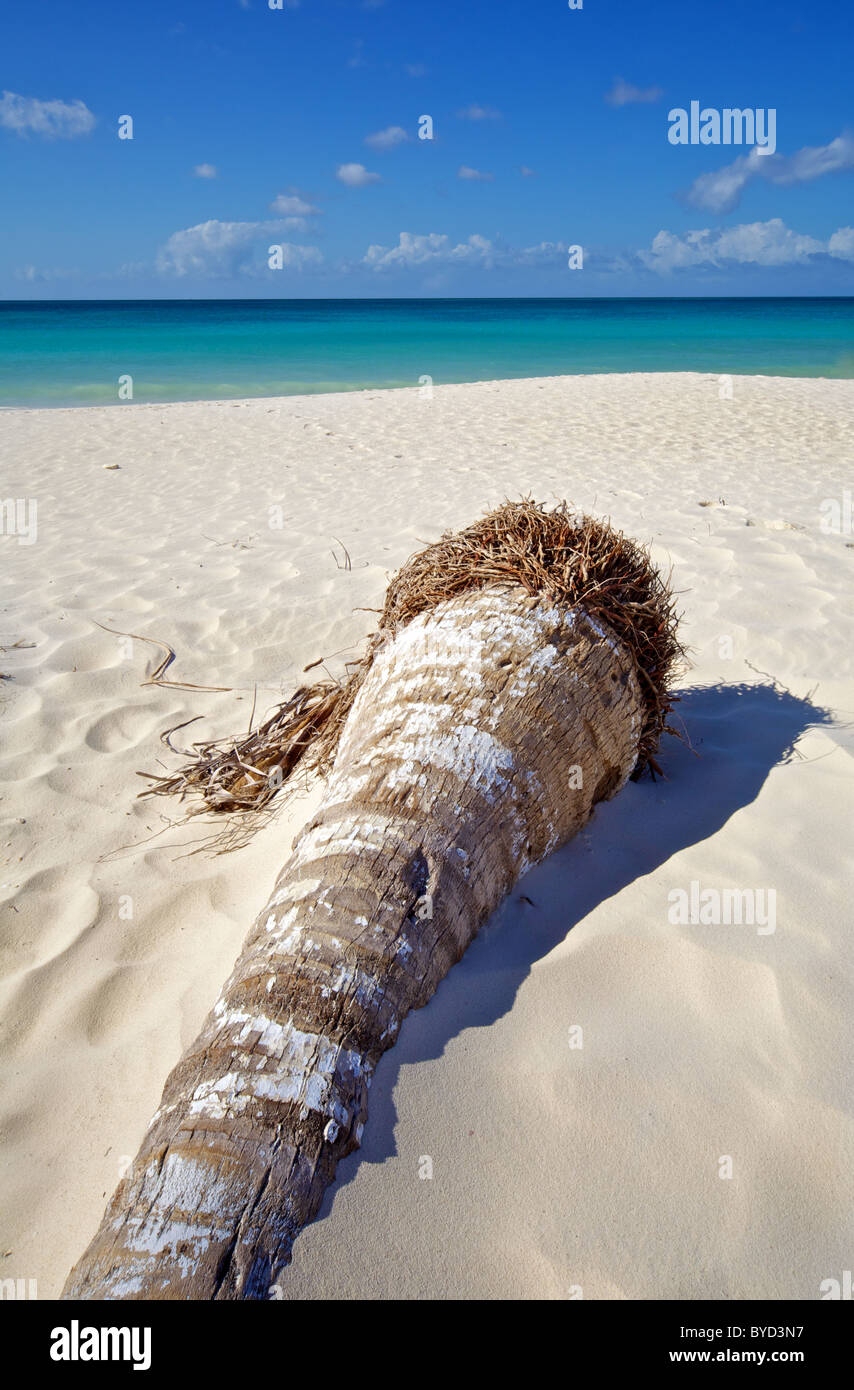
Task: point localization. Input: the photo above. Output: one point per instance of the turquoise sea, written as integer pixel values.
(74, 352)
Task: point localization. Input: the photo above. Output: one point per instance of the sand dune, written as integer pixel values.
(226, 531)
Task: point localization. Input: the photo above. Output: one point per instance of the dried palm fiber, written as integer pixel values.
(520, 675)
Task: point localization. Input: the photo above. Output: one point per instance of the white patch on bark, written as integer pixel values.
(472, 754)
(295, 892)
(307, 1065)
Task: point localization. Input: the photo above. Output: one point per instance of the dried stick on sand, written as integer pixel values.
(519, 676)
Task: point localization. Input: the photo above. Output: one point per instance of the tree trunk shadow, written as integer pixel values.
(738, 734)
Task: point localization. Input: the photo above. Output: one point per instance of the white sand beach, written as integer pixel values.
(699, 1144)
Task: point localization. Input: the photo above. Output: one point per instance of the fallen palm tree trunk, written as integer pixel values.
(518, 677)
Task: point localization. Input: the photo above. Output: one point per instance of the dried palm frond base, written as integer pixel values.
(568, 557)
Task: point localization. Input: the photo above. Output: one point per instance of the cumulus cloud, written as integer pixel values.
(205, 171)
(841, 244)
(387, 139)
(545, 253)
(475, 112)
(355, 175)
(415, 250)
(623, 93)
(769, 243)
(721, 190)
(55, 120)
(293, 204)
(221, 250)
(295, 210)
(475, 175)
(435, 250)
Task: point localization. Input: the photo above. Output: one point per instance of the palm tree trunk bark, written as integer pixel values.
(483, 736)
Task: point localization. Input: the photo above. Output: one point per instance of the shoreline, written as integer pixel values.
(416, 390)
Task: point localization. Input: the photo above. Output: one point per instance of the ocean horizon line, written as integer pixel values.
(437, 299)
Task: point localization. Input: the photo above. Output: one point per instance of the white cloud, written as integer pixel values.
(355, 175)
(479, 113)
(546, 253)
(293, 204)
(841, 244)
(526, 172)
(295, 210)
(435, 250)
(388, 138)
(220, 250)
(813, 161)
(721, 190)
(413, 250)
(55, 120)
(622, 93)
(205, 171)
(769, 243)
(670, 252)
(766, 243)
(475, 175)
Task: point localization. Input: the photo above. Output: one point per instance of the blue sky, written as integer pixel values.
(298, 127)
